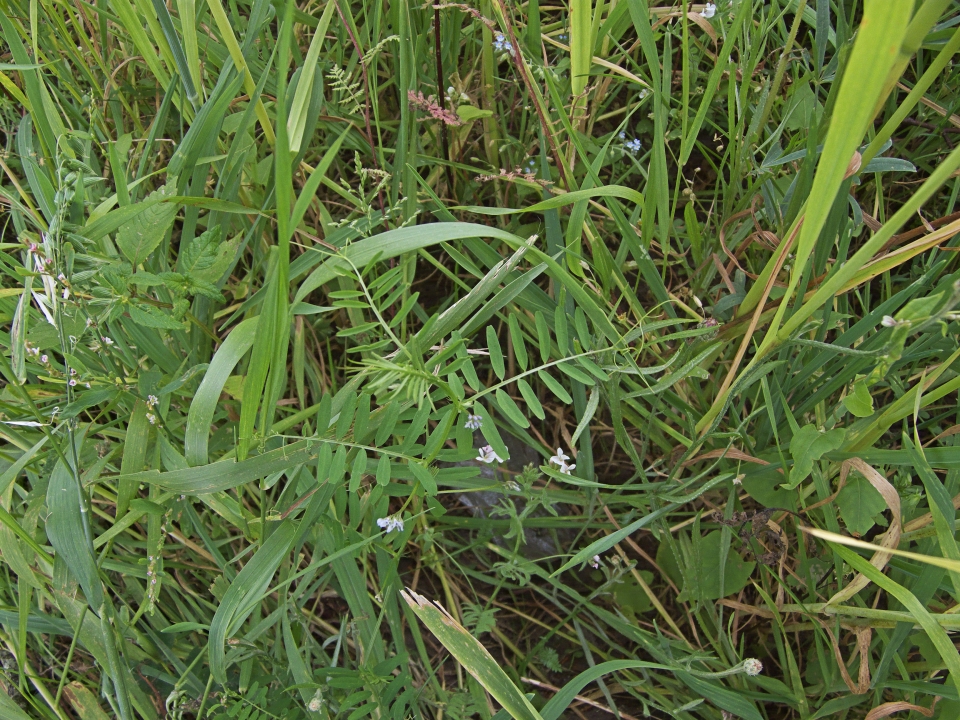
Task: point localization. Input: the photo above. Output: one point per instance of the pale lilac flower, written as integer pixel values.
(391, 523)
(473, 422)
(709, 10)
(488, 456)
(152, 418)
(72, 382)
(44, 359)
(106, 340)
(889, 321)
(595, 562)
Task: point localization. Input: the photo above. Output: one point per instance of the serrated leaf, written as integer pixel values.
(139, 237)
(152, 317)
(199, 253)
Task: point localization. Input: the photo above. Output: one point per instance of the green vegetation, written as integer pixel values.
(475, 360)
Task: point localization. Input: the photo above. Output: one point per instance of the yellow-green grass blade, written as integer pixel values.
(935, 632)
(297, 121)
(236, 54)
(581, 44)
(910, 102)
(245, 590)
(205, 400)
(878, 40)
(471, 655)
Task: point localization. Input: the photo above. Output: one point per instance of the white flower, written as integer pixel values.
(889, 321)
(391, 523)
(44, 359)
(738, 480)
(152, 400)
(72, 382)
(487, 455)
(473, 422)
(152, 418)
(752, 666)
(709, 10)
(595, 562)
(560, 460)
(106, 340)
(66, 293)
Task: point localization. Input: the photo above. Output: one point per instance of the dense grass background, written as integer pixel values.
(267, 266)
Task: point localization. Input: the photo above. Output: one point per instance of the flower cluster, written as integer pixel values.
(391, 523)
(474, 422)
(428, 104)
(632, 146)
(560, 460)
(501, 44)
(152, 401)
(452, 96)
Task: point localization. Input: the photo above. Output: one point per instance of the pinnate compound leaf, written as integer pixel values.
(139, 237)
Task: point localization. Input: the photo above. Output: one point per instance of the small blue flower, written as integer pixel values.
(501, 44)
(623, 135)
(562, 37)
(633, 146)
